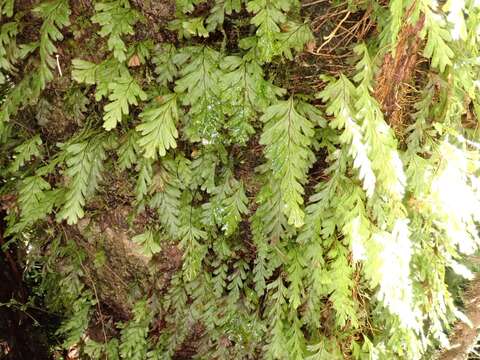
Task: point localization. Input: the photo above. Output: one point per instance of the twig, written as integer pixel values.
(314, 3)
(58, 65)
(332, 34)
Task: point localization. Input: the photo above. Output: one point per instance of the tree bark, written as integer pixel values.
(464, 337)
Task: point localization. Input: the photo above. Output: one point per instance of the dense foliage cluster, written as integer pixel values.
(311, 225)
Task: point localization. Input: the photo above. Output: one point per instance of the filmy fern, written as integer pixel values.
(84, 163)
(8, 49)
(269, 224)
(116, 18)
(6, 7)
(159, 127)
(287, 137)
(25, 152)
(124, 92)
(55, 15)
(148, 242)
(198, 85)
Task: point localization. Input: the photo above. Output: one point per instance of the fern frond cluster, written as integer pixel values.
(309, 225)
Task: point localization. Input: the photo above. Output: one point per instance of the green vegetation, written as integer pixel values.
(242, 179)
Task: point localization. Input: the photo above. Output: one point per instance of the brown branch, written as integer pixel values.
(397, 70)
(13, 268)
(463, 337)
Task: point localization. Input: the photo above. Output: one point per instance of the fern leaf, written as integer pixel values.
(342, 288)
(97, 74)
(124, 92)
(295, 37)
(167, 198)
(191, 235)
(276, 348)
(165, 66)
(149, 243)
(25, 152)
(287, 137)
(133, 344)
(235, 207)
(200, 79)
(6, 7)
(9, 51)
(128, 150)
(55, 15)
(438, 36)
(158, 130)
(116, 19)
(75, 326)
(247, 93)
(84, 166)
(144, 179)
(340, 98)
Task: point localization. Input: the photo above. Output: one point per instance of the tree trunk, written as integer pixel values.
(464, 336)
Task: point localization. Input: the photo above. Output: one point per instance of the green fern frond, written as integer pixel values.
(287, 137)
(75, 326)
(116, 19)
(6, 7)
(247, 93)
(25, 152)
(133, 344)
(97, 74)
(84, 166)
(9, 51)
(55, 15)
(128, 150)
(166, 198)
(149, 243)
(124, 92)
(144, 179)
(438, 36)
(165, 66)
(158, 130)
(200, 79)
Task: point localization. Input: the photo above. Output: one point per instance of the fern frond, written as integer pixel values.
(25, 152)
(77, 324)
(97, 74)
(165, 66)
(200, 79)
(124, 92)
(133, 340)
(6, 7)
(191, 235)
(287, 137)
(144, 179)
(276, 347)
(84, 165)
(218, 11)
(246, 93)
(340, 97)
(9, 51)
(149, 242)
(166, 199)
(116, 19)
(158, 130)
(36, 201)
(128, 150)
(55, 15)
(438, 36)
(226, 206)
(295, 36)
(276, 34)
(268, 17)
(341, 289)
